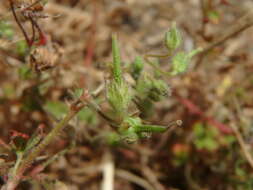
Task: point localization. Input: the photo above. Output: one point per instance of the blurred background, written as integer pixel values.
(214, 95)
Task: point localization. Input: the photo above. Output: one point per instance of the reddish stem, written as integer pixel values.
(194, 109)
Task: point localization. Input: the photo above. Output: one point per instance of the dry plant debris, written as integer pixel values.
(213, 148)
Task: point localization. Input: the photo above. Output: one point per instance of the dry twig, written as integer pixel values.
(242, 24)
(108, 172)
(243, 145)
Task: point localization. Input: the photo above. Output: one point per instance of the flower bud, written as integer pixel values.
(173, 38)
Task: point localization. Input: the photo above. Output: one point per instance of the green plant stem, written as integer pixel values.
(146, 58)
(117, 73)
(239, 26)
(27, 162)
(17, 164)
(92, 105)
(158, 56)
(150, 128)
(242, 24)
(47, 140)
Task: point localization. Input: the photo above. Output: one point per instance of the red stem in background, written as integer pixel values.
(194, 109)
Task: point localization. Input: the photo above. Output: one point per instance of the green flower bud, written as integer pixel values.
(159, 90)
(137, 67)
(173, 38)
(153, 89)
(119, 98)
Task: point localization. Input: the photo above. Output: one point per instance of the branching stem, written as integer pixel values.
(27, 162)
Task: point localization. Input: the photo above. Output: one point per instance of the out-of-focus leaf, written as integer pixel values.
(88, 116)
(159, 90)
(205, 137)
(6, 30)
(78, 92)
(113, 139)
(151, 88)
(9, 90)
(56, 108)
(21, 47)
(179, 63)
(25, 72)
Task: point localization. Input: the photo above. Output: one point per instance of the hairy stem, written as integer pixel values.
(27, 162)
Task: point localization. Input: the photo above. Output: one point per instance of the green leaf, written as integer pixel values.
(151, 88)
(88, 116)
(159, 90)
(181, 61)
(205, 137)
(146, 107)
(229, 139)
(78, 92)
(56, 108)
(240, 172)
(44, 2)
(6, 30)
(9, 90)
(173, 38)
(25, 72)
(113, 139)
(21, 47)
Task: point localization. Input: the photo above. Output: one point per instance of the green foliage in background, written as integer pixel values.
(205, 137)
(6, 30)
